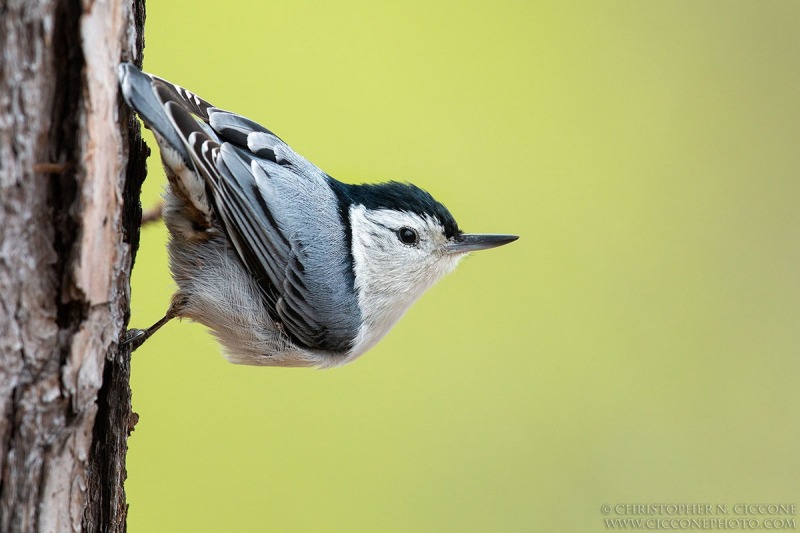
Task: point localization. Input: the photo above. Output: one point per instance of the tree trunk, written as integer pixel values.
(71, 167)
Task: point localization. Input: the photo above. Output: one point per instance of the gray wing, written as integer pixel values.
(279, 212)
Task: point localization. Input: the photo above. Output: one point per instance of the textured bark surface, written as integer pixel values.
(69, 218)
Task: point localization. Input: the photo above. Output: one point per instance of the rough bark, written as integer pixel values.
(69, 217)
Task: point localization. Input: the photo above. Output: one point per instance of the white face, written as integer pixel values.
(397, 257)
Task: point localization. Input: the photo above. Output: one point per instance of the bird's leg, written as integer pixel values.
(52, 168)
(153, 214)
(136, 337)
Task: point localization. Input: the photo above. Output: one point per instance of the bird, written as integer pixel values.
(285, 265)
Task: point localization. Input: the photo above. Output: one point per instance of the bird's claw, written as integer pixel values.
(134, 338)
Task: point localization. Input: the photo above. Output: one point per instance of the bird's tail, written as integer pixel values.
(149, 94)
(173, 113)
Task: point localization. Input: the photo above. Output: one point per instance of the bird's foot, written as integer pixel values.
(135, 338)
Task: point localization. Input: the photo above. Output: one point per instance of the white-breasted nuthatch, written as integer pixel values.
(286, 265)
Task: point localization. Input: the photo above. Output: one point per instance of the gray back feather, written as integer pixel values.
(276, 207)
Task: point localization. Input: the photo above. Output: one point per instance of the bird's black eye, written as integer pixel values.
(408, 236)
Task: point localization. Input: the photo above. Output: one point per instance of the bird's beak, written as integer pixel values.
(467, 242)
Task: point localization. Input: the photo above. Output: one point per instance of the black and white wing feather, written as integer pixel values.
(277, 209)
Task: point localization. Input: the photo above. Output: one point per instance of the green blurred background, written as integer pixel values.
(638, 344)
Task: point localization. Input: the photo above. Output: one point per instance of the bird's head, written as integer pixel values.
(403, 242)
